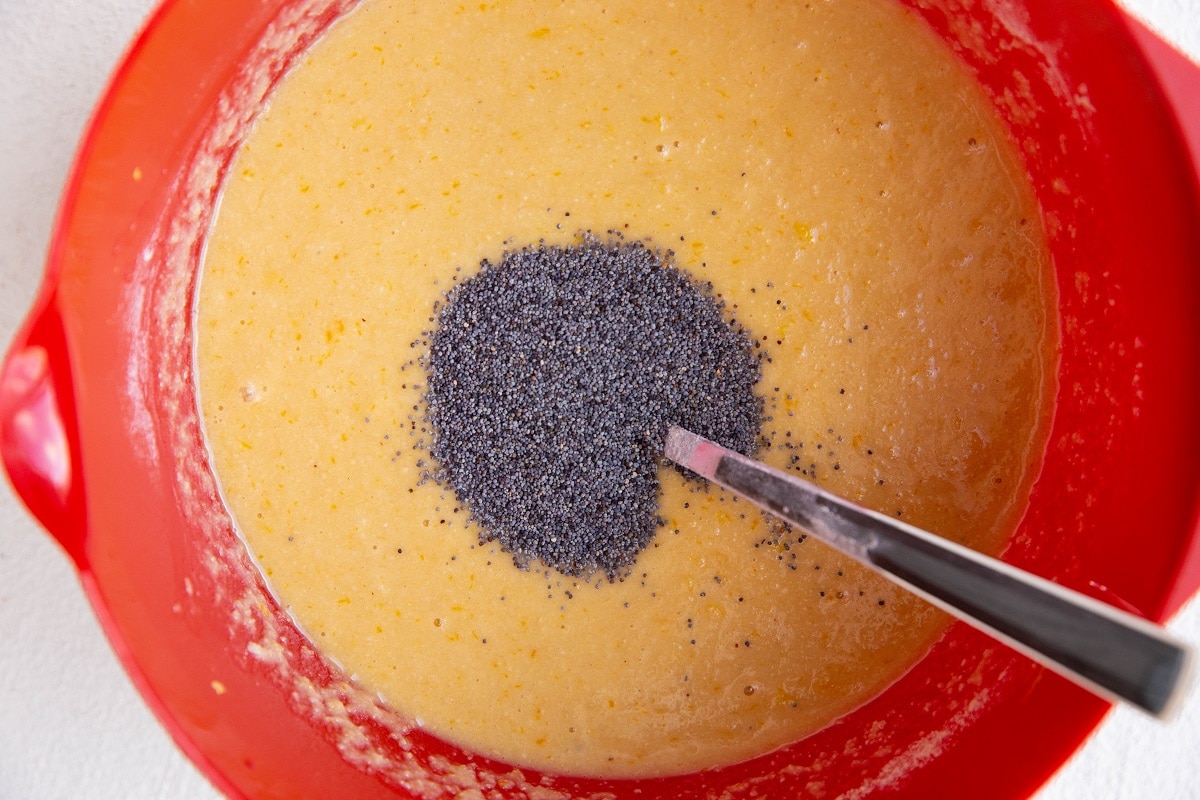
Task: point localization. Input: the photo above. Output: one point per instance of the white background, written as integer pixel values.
(71, 724)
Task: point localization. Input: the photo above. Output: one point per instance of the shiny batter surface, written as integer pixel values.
(847, 191)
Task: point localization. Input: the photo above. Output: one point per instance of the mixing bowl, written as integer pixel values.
(100, 436)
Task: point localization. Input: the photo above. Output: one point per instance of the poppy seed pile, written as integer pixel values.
(552, 378)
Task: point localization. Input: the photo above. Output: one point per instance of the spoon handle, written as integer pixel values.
(1114, 654)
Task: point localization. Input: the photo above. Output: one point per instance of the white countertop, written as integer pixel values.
(71, 724)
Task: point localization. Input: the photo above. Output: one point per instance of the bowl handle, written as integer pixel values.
(1179, 78)
(1180, 81)
(39, 444)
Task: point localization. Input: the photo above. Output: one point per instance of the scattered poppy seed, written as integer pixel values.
(552, 378)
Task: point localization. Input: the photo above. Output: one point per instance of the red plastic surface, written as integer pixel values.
(37, 434)
(93, 441)
(1180, 80)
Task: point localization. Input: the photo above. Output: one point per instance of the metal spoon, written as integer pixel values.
(1114, 654)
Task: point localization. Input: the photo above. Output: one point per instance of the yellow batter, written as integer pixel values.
(826, 165)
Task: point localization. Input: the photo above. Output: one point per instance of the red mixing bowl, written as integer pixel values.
(100, 436)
